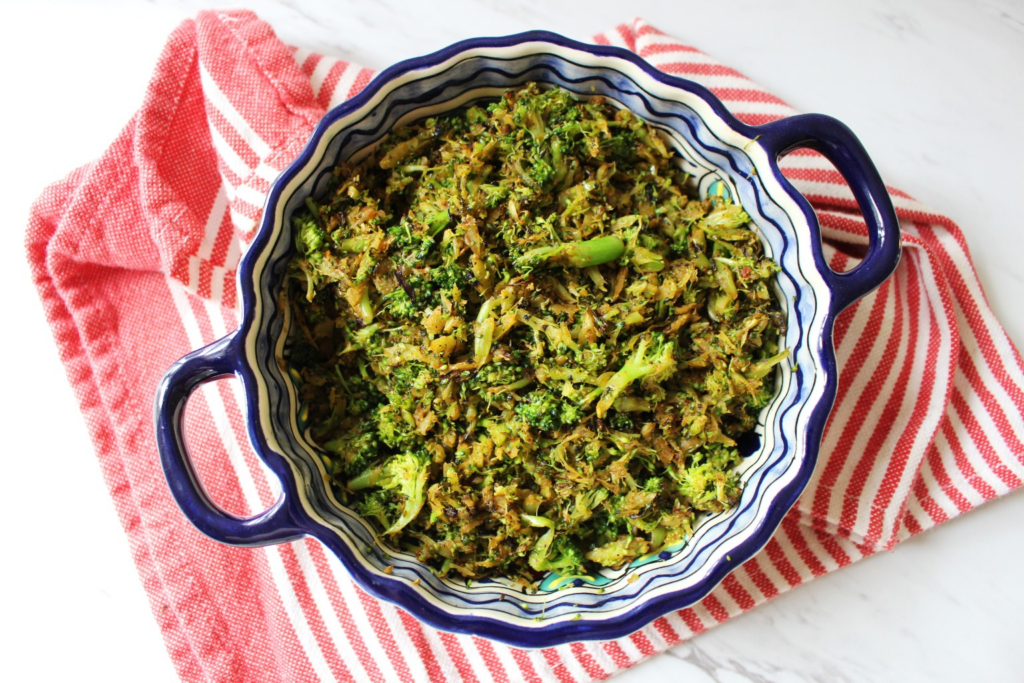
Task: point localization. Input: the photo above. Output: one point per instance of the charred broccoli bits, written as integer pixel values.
(524, 344)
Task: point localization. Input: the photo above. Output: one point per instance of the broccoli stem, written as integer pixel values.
(366, 307)
(484, 332)
(354, 245)
(579, 254)
(367, 479)
(761, 368)
(314, 211)
(638, 366)
(407, 475)
(543, 546)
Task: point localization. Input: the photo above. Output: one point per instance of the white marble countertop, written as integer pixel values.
(933, 88)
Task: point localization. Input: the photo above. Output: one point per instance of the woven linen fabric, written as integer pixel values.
(134, 257)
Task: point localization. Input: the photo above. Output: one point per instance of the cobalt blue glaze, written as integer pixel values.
(838, 144)
(778, 469)
(203, 365)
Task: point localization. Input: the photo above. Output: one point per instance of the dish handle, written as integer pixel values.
(273, 525)
(837, 143)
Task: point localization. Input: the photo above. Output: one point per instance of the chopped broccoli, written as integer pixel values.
(399, 305)
(437, 221)
(395, 429)
(617, 552)
(653, 359)
(546, 411)
(497, 374)
(523, 343)
(562, 557)
(354, 451)
(378, 505)
(710, 482)
(552, 552)
(622, 422)
(404, 474)
(309, 236)
(592, 252)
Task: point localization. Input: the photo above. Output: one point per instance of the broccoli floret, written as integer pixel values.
(364, 337)
(725, 216)
(399, 305)
(570, 413)
(551, 553)
(408, 380)
(654, 360)
(541, 172)
(653, 485)
(547, 411)
(448, 276)
(496, 374)
(563, 557)
(622, 422)
(621, 147)
(593, 359)
(585, 505)
(353, 452)
(606, 526)
(394, 430)
(437, 221)
(309, 237)
(404, 474)
(361, 396)
(494, 195)
(408, 247)
(709, 482)
(378, 505)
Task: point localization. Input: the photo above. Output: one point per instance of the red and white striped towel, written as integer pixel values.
(134, 257)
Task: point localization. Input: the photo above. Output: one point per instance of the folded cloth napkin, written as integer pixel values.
(134, 256)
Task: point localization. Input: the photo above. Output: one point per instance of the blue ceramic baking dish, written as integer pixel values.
(724, 156)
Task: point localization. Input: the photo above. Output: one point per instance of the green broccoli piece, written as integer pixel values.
(592, 252)
(448, 276)
(547, 411)
(606, 526)
(497, 374)
(654, 360)
(408, 247)
(409, 379)
(404, 474)
(622, 422)
(541, 172)
(653, 485)
(725, 216)
(621, 147)
(563, 558)
(394, 429)
(399, 305)
(593, 359)
(378, 505)
(494, 195)
(571, 413)
(615, 553)
(551, 553)
(354, 451)
(709, 482)
(437, 221)
(309, 236)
